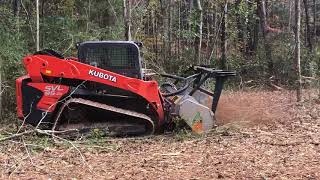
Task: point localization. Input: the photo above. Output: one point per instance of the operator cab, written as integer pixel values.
(121, 57)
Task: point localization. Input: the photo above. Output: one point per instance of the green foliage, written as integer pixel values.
(97, 133)
(167, 29)
(12, 49)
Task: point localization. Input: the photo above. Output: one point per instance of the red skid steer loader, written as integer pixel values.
(106, 88)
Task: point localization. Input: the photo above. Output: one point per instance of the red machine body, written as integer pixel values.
(51, 81)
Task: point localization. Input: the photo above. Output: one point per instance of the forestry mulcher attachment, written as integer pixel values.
(106, 88)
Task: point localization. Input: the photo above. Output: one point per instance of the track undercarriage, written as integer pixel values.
(85, 115)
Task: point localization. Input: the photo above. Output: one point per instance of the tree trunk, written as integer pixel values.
(0, 89)
(38, 27)
(290, 14)
(253, 31)
(155, 22)
(127, 18)
(16, 11)
(210, 31)
(223, 36)
(297, 48)
(190, 13)
(43, 2)
(266, 2)
(239, 24)
(190, 20)
(216, 31)
(264, 26)
(179, 30)
(88, 16)
(43, 11)
(16, 4)
(314, 18)
(214, 34)
(165, 29)
(166, 6)
(308, 29)
(198, 38)
(171, 12)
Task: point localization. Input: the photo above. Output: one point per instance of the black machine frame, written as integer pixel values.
(200, 74)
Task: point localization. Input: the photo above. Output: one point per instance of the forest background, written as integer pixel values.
(257, 38)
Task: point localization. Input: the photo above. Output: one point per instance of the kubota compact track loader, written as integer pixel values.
(107, 88)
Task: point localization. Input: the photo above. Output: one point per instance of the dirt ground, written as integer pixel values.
(261, 135)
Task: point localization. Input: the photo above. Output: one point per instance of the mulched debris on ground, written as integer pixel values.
(262, 135)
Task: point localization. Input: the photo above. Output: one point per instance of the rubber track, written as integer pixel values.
(105, 107)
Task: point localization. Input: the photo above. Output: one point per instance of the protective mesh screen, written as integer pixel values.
(110, 58)
(119, 58)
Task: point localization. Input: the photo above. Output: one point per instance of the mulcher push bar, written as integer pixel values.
(200, 75)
